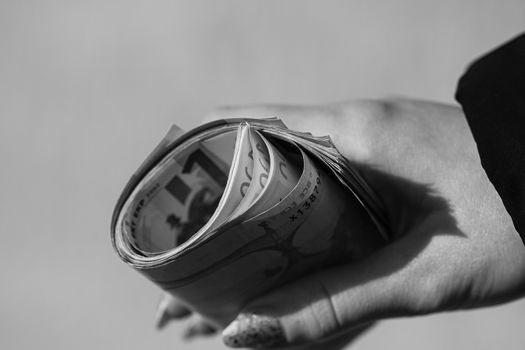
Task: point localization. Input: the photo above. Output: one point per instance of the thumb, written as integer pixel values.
(334, 301)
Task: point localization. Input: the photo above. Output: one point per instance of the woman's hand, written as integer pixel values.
(455, 245)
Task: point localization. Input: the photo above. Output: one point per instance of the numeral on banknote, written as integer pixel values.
(306, 205)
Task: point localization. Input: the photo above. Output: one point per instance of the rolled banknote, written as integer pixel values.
(234, 208)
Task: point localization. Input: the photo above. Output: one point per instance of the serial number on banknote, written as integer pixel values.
(305, 205)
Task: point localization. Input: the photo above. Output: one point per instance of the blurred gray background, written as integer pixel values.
(87, 88)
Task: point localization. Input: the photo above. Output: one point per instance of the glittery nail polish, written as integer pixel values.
(250, 330)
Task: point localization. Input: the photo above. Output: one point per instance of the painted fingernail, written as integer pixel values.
(254, 331)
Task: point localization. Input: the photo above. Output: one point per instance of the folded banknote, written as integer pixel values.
(222, 214)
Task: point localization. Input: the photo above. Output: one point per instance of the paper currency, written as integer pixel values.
(222, 214)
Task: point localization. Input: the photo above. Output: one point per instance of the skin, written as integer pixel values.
(455, 246)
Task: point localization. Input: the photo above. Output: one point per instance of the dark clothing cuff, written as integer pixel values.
(492, 94)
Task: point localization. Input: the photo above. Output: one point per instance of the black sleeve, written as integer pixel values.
(492, 94)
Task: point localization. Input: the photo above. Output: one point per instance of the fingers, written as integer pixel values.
(169, 309)
(199, 328)
(387, 284)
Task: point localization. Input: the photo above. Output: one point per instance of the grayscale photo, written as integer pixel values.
(301, 175)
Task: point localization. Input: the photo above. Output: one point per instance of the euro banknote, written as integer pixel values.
(224, 213)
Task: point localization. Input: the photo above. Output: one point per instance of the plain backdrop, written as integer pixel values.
(87, 88)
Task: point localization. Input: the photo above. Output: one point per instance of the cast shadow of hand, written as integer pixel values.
(416, 213)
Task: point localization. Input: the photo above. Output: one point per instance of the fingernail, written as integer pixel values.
(199, 329)
(166, 311)
(161, 316)
(254, 331)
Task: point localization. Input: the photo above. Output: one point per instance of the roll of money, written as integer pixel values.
(224, 213)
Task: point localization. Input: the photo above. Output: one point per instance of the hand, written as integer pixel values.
(455, 246)
(169, 308)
